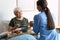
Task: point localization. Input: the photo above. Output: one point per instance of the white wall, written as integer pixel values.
(6, 9)
(59, 13)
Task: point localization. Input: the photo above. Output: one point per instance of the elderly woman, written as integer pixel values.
(18, 22)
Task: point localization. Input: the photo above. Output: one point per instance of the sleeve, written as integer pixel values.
(11, 23)
(35, 25)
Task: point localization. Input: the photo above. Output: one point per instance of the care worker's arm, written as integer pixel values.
(35, 25)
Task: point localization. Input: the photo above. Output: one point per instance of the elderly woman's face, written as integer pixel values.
(19, 13)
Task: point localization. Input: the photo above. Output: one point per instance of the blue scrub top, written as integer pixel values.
(40, 26)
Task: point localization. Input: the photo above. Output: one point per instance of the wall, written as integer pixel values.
(6, 9)
(59, 13)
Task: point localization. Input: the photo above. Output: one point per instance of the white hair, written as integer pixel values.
(16, 9)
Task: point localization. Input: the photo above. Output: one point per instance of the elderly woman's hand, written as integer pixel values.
(16, 26)
(16, 31)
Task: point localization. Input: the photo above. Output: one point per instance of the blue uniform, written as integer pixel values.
(40, 26)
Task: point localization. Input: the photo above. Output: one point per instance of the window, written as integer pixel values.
(26, 5)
